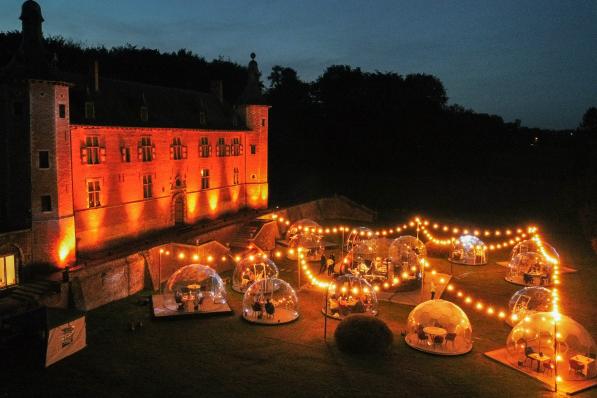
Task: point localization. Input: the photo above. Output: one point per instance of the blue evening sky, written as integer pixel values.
(531, 60)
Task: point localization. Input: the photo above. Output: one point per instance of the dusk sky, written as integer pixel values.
(531, 60)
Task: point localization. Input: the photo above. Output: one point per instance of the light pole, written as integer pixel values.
(299, 261)
(160, 271)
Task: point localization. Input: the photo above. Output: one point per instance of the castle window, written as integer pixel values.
(202, 118)
(44, 159)
(205, 148)
(146, 149)
(93, 193)
(89, 110)
(147, 186)
(236, 176)
(176, 149)
(253, 149)
(92, 148)
(46, 203)
(237, 148)
(204, 178)
(125, 153)
(263, 122)
(8, 271)
(144, 114)
(221, 147)
(61, 111)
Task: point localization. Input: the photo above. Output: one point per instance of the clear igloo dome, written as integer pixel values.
(349, 294)
(407, 255)
(197, 280)
(531, 344)
(369, 258)
(531, 245)
(439, 327)
(270, 301)
(250, 269)
(468, 250)
(529, 269)
(528, 301)
(305, 233)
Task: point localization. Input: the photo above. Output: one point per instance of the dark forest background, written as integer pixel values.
(394, 143)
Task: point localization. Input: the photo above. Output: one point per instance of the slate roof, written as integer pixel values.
(118, 103)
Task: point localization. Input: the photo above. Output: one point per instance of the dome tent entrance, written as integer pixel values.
(192, 289)
(468, 250)
(250, 269)
(531, 344)
(439, 327)
(270, 301)
(528, 301)
(306, 234)
(349, 294)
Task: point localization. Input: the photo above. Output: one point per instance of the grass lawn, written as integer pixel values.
(225, 356)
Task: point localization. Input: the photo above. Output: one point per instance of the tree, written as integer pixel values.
(589, 120)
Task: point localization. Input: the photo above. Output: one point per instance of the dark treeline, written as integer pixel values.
(389, 141)
(393, 142)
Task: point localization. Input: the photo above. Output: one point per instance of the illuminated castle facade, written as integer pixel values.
(89, 162)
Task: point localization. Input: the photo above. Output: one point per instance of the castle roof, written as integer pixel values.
(119, 103)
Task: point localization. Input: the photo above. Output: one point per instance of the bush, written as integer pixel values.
(363, 334)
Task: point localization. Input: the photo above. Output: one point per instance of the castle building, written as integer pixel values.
(88, 162)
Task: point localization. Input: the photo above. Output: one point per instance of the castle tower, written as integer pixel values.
(253, 111)
(44, 144)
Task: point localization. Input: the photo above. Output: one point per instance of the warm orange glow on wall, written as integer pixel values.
(213, 197)
(66, 246)
(191, 205)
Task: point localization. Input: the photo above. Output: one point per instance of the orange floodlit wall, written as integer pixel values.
(122, 207)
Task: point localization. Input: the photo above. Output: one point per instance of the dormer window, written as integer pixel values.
(89, 110)
(144, 114)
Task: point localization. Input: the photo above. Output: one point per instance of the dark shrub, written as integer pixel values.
(363, 334)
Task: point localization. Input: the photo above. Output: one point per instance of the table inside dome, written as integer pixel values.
(165, 306)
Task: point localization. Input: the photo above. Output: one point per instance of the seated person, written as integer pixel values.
(246, 279)
(334, 305)
(363, 269)
(269, 308)
(257, 310)
(359, 307)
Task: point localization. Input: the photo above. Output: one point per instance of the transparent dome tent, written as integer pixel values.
(305, 234)
(250, 269)
(529, 269)
(528, 301)
(468, 250)
(349, 294)
(531, 245)
(407, 255)
(197, 279)
(192, 289)
(270, 301)
(369, 258)
(533, 337)
(439, 327)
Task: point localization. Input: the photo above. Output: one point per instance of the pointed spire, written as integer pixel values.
(252, 93)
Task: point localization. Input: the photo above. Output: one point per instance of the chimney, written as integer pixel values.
(94, 76)
(217, 89)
